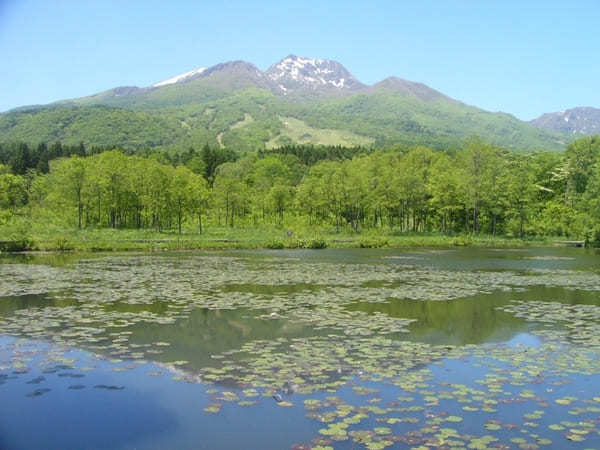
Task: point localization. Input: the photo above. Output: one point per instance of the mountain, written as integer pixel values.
(582, 120)
(180, 78)
(410, 88)
(295, 74)
(296, 100)
(194, 87)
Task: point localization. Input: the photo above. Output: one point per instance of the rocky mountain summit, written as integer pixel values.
(295, 73)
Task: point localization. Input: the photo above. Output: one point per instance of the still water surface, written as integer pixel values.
(278, 349)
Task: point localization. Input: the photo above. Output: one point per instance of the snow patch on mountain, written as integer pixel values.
(295, 73)
(179, 78)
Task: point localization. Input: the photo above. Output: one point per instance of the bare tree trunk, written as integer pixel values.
(179, 214)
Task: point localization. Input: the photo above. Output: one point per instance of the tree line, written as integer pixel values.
(478, 188)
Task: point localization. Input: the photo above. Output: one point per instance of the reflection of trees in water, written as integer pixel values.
(8, 305)
(472, 320)
(209, 332)
(200, 334)
(53, 259)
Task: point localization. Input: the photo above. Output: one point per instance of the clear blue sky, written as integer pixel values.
(521, 57)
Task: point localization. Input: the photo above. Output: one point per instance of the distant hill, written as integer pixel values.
(301, 100)
(582, 121)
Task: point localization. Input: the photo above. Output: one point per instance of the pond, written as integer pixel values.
(456, 348)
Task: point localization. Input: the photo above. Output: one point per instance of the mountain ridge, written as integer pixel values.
(581, 120)
(290, 77)
(297, 99)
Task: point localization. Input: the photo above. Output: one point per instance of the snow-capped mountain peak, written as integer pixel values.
(292, 75)
(179, 78)
(295, 72)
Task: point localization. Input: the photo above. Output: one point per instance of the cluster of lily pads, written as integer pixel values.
(419, 414)
(580, 324)
(107, 297)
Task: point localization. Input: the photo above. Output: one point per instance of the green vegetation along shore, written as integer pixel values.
(214, 238)
(55, 197)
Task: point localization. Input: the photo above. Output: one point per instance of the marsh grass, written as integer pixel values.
(60, 239)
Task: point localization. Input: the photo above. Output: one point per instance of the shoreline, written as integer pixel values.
(219, 238)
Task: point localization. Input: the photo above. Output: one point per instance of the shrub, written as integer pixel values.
(61, 243)
(460, 241)
(19, 245)
(275, 245)
(316, 244)
(373, 243)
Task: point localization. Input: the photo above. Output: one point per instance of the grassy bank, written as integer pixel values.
(242, 238)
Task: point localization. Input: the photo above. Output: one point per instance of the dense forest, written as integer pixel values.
(478, 188)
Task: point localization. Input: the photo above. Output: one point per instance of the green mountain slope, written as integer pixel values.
(238, 106)
(95, 125)
(393, 117)
(215, 83)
